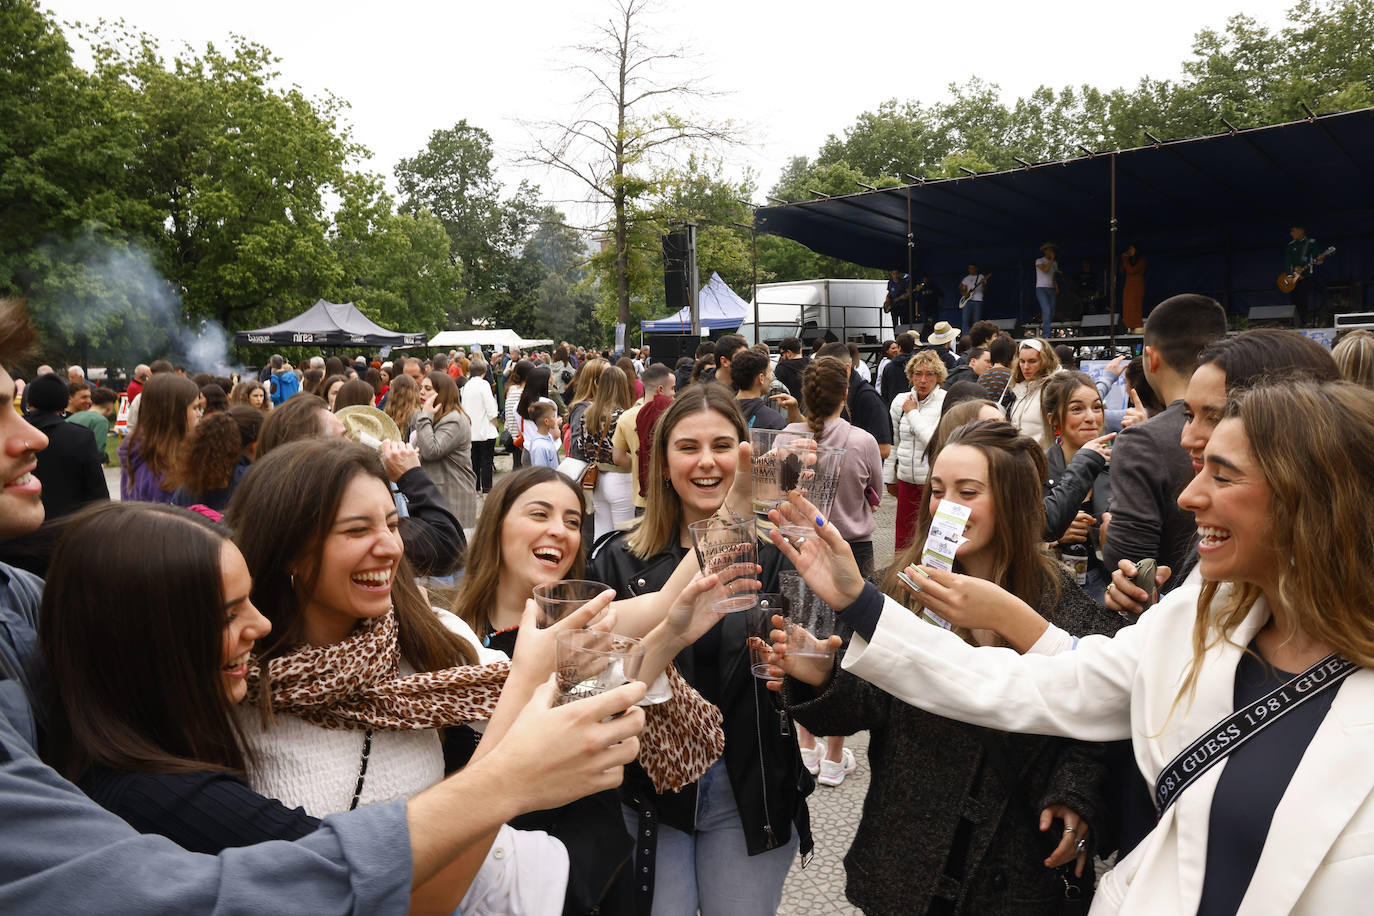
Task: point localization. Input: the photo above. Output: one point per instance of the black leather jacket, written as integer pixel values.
(761, 756)
(433, 539)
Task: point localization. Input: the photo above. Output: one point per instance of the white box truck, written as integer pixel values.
(850, 309)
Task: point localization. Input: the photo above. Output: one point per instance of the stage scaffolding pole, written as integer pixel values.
(1112, 259)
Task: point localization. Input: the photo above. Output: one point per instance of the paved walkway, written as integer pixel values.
(818, 889)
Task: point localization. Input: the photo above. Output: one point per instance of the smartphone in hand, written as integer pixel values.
(1144, 578)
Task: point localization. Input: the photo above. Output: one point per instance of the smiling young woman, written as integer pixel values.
(927, 770)
(752, 801)
(1282, 826)
(1079, 489)
(147, 675)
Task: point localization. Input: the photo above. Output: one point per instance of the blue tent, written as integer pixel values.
(720, 309)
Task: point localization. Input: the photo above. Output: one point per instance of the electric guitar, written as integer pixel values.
(1290, 280)
(982, 282)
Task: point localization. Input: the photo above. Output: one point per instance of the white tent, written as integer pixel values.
(719, 309)
(504, 338)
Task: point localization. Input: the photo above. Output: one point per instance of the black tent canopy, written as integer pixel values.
(331, 324)
(1210, 214)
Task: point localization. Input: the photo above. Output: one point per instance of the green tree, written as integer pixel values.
(697, 192)
(396, 266)
(565, 299)
(452, 178)
(232, 173)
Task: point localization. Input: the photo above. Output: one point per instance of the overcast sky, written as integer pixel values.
(792, 73)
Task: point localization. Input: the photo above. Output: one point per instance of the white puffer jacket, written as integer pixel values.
(911, 432)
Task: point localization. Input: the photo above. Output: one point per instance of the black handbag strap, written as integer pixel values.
(1242, 725)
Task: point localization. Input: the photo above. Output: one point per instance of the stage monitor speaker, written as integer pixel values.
(1101, 323)
(675, 279)
(1355, 320)
(1286, 313)
(1005, 324)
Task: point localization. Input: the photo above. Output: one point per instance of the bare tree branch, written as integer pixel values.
(623, 124)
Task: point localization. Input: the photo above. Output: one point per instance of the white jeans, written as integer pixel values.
(613, 500)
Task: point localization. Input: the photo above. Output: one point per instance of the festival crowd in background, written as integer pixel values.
(308, 660)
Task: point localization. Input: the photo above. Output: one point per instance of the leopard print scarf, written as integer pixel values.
(357, 684)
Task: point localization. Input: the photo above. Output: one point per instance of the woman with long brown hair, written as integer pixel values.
(211, 464)
(1263, 804)
(584, 388)
(348, 692)
(252, 393)
(1080, 488)
(146, 628)
(403, 404)
(613, 495)
(443, 434)
(169, 408)
(929, 771)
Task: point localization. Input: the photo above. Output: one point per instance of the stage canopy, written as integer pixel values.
(719, 308)
(331, 324)
(504, 338)
(1210, 215)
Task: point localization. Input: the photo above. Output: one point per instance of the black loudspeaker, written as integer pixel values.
(675, 279)
(669, 348)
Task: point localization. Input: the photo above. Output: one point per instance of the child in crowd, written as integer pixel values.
(543, 448)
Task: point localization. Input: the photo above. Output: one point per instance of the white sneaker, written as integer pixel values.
(833, 772)
(811, 757)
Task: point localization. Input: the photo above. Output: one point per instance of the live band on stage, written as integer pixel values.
(1064, 299)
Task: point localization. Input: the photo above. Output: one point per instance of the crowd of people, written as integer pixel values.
(298, 663)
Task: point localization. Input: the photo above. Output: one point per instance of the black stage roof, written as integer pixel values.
(1210, 215)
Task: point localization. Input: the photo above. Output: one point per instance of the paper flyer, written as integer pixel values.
(945, 537)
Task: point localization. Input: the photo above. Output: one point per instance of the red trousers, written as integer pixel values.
(909, 497)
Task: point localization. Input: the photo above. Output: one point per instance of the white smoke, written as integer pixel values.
(109, 292)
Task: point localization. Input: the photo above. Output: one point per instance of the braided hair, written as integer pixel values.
(825, 382)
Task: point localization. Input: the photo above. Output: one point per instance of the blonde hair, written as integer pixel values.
(613, 393)
(927, 359)
(1320, 472)
(1354, 357)
(1049, 360)
(403, 401)
(586, 379)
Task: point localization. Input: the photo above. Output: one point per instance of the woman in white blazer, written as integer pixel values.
(1283, 511)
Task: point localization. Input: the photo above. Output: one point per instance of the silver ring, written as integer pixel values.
(1081, 845)
(1068, 829)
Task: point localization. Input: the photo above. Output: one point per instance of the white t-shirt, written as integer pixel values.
(1043, 277)
(967, 284)
(480, 406)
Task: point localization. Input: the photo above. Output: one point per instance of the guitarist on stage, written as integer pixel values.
(971, 291)
(1302, 252)
(898, 300)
